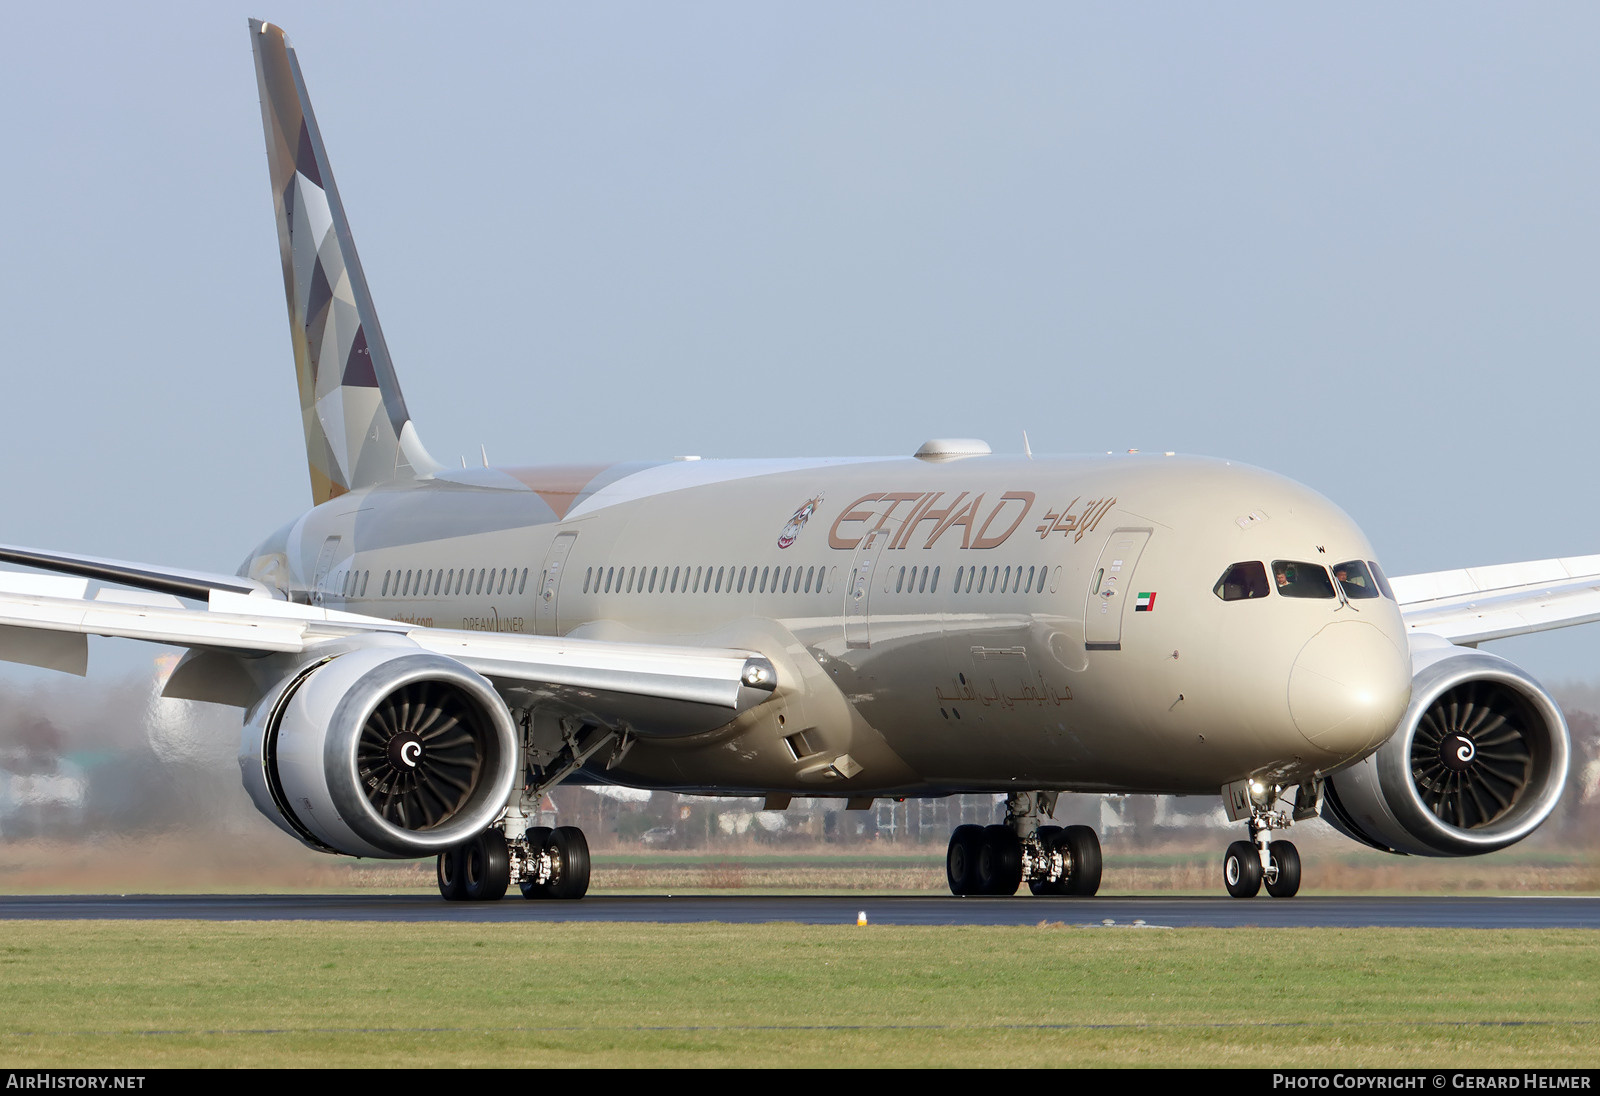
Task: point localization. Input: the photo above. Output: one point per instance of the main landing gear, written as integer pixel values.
(998, 859)
(539, 861)
(556, 864)
(1248, 865)
(542, 862)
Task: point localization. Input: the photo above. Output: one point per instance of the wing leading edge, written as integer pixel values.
(663, 690)
(1478, 604)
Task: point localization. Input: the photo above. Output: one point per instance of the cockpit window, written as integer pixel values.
(1296, 579)
(1356, 580)
(1383, 583)
(1241, 581)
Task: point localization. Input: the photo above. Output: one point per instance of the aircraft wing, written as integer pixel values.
(145, 576)
(45, 620)
(1510, 599)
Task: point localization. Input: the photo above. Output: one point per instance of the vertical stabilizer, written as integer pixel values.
(358, 432)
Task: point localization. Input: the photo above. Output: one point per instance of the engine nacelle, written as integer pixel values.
(383, 751)
(1476, 764)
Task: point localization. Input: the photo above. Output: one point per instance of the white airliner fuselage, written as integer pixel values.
(953, 625)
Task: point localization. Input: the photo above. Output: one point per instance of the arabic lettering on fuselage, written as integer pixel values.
(1028, 694)
(903, 515)
(1067, 523)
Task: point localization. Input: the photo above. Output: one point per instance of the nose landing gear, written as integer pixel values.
(1247, 865)
(996, 860)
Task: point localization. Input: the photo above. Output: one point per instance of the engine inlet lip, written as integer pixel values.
(351, 716)
(1549, 751)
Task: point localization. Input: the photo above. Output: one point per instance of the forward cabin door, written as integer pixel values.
(858, 593)
(545, 619)
(1111, 589)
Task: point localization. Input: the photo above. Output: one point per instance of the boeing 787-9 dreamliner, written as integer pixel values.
(427, 651)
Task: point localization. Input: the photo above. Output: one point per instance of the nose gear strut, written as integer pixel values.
(1248, 865)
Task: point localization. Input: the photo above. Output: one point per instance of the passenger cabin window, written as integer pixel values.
(1243, 581)
(1356, 580)
(1298, 579)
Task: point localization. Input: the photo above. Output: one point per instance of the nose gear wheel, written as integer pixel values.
(1285, 882)
(1241, 870)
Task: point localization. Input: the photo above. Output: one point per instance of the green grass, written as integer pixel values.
(137, 994)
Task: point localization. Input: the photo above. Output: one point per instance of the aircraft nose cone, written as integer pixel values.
(1349, 687)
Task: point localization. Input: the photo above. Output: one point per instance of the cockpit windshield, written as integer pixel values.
(1241, 581)
(1383, 583)
(1356, 580)
(1297, 579)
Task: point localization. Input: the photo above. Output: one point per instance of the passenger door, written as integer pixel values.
(1110, 583)
(545, 606)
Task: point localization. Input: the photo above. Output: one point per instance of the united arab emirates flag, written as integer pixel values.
(1146, 603)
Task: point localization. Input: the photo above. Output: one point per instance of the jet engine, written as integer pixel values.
(381, 751)
(1476, 764)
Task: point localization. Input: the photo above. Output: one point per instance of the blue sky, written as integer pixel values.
(1353, 245)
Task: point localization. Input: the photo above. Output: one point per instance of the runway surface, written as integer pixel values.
(1304, 912)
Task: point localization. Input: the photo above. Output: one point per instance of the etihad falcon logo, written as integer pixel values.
(791, 532)
(405, 751)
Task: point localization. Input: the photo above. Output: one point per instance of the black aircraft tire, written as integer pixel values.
(538, 837)
(486, 867)
(571, 852)
(1049, 838)
(1000, 864)
(961, 860)
(1287, 859)
(1241, 870)
(452, 885)
(1083, 845)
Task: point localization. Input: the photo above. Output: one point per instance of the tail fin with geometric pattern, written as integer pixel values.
(358, 432)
